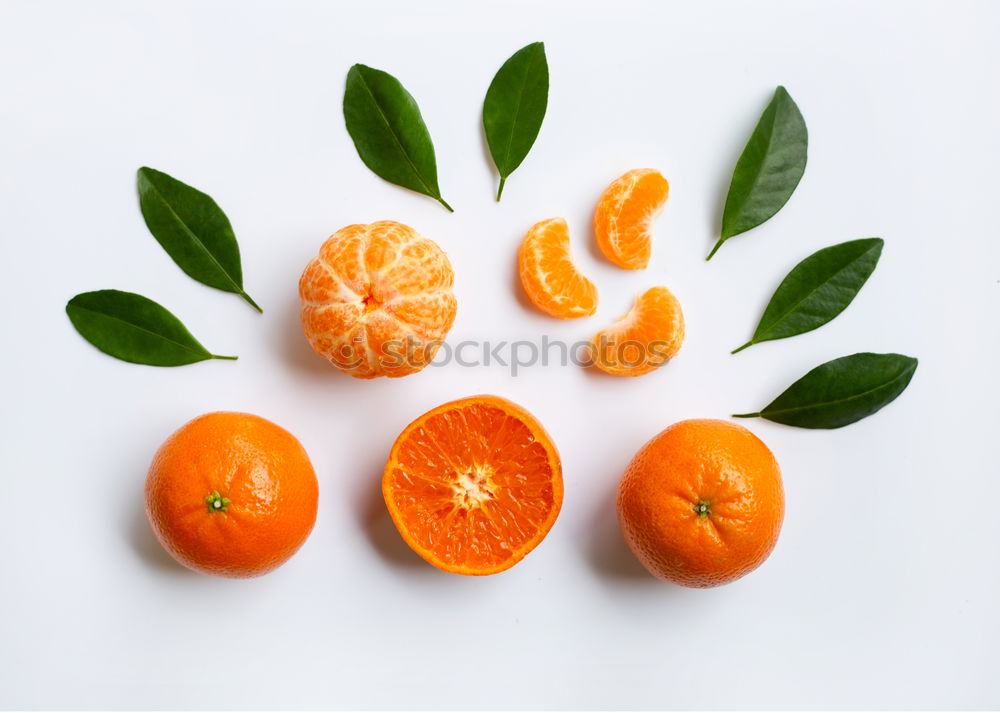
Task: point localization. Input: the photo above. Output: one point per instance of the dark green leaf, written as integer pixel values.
(388, 131)
(841, 391)
(133, 328)
(514, 108)
(817, 289)
(768, 170)
(193, 230)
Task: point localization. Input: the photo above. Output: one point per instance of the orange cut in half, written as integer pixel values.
(644, 339)
(548, 274)
(623, 221)
(473, 485)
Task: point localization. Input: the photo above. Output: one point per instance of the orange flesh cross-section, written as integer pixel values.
(473, 485)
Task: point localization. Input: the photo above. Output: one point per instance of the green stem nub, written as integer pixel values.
(216, 503)
(703, 509)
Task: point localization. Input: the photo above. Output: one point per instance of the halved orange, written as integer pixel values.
(473, 485)
(548, 274)
(642, 340)
(623, 221)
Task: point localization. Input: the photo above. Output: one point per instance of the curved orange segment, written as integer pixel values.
(623, 221)
(473, 485)
(548, 274)
(644, 339)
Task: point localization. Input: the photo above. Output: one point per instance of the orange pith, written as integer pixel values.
(231, 494)
(378, 300)
(701, 504)
(473, 485)
(548, 274)
(623, 220)
(644, 339)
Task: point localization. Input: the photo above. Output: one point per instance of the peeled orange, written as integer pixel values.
(378, 300)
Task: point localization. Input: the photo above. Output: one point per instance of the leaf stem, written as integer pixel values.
(717, 246)
(503, 180)
(746, 415)
(253, 304)
(737, 350)
(230, 358)
(445, 204)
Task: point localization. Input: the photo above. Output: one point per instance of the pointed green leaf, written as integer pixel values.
(133, 328)
(817, 289)
(193, 230)
(768, 170)
(841, 391)
(388, 131)
(514, 108)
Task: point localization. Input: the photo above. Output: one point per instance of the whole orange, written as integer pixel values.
(231, 494)
(701, 504)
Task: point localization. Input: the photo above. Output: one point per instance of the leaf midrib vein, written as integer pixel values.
(517, 114)
(203, 352)
(838, 401)
(194, 236)
(815, 290)
(399, 144)
(760, 168)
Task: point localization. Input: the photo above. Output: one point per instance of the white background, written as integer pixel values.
(883, 589)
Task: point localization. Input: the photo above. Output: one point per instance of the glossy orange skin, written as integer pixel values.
(706, 463)
(423, 485)
(261, 469)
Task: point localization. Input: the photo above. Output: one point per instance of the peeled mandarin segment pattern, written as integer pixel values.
(473, 488)
(377, 300)
(549, 276)
(644, 339)
(343, 255)
(623, 220)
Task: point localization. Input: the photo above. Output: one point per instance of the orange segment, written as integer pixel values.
(378, 300)
(644, 339)
(548, 274)
(473, 485)
(623, 221)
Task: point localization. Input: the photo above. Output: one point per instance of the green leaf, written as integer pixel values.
(514, 108)
(768, 170)
(817, 289)
(193, 230)
(133, 328)
(390, 135)
(841, 391)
